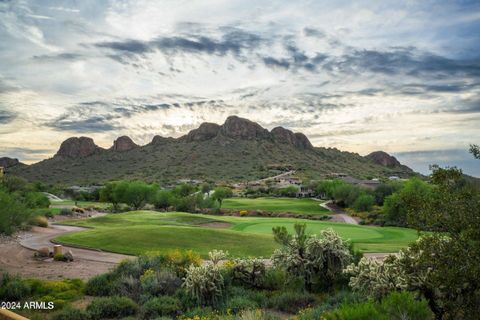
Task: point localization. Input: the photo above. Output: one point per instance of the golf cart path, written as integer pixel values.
(338, 212)
(42, 237)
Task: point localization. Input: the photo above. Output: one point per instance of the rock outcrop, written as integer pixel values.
(77, 147)
(206, 131)
(299, 140)
(8, 162)
(123, 143)
(384, 159)
(240, 128)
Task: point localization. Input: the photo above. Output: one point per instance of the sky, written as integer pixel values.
(361, 76)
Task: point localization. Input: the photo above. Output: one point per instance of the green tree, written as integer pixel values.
(327, 188)
(444, 266)
(475, 150)
(138, 193)
(164, 199)
(36, 200)
(406, 203)
(221, 193)
(13, 213)
(384, 190)
(346, 194)
(364, 202)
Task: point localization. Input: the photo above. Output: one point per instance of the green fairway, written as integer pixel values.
(291, 205)
(138, 232)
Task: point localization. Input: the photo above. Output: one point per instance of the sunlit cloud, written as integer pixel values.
(401, 77)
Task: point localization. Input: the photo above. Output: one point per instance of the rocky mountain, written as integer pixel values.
(123, 143)
(237, 150)
(384, 159)
(77, 147)
(6, 162)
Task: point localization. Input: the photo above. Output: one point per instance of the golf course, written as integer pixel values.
(139, 232)
(290, 205)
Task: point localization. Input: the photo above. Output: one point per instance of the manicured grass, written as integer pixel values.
(81, 204)
(138, 232)
(291, 205)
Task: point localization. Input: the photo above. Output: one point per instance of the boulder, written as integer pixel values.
(68, 255)
(299, 140)
(43, 253)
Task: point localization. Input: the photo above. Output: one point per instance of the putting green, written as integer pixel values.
(291, 205)
(138, 232)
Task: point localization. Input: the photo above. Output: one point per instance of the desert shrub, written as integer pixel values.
(68, 313)
(128, 286)
(249, 272)
(36, 200)
(376, 279)
(357, 311)
(274, 279)
(51, 290)
(239, 303)
(179, 261)
(364, 202)
(205, 284)
(161, 306)
(13, 288)
(101, 285)
(396, 305)
(66, 212)
(111, 307)
(60, 257)
(39, 221)
(291, 301)
(215, 256)
(13, 214)
(330, 303)
(403, 305)
(159, 282)
(318, 261)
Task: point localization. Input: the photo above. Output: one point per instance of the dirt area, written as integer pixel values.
(17, 255)
(16, 259)
(216, 225)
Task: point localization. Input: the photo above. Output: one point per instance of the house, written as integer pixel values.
(394, 178)
(305, 192)
(370, 184)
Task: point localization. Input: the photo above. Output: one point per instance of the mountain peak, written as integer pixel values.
(236, 127)
(123, 143)
(282, 135)
(77, 147)
(205, 131)
(7, 162)
(384, 159)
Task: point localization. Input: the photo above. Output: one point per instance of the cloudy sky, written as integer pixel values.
(399, 76)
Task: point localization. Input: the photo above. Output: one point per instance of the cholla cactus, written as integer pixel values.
(217, 255)
(376, 278)
(204, 284)
(310, 257)
(249, 271)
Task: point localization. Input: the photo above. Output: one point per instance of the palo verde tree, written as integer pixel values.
(221, 193)
(444, 266)
(318, 261)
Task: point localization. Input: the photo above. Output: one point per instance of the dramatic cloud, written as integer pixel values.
(398, 76)
(6, 116)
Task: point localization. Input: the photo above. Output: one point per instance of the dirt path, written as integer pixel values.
(338, 212)
(17, 256)
(42, 237)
